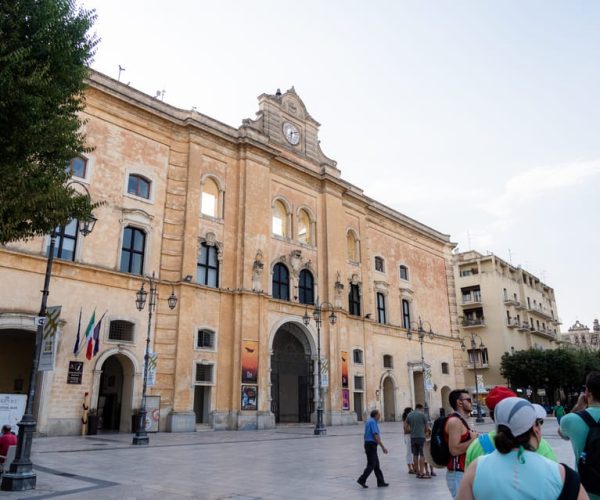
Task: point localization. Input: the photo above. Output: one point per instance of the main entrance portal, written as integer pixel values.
(292, 391)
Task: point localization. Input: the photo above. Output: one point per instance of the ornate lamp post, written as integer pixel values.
(141, 436)
(320, 429)
(479, 418)
(421, 332)
(20, 475)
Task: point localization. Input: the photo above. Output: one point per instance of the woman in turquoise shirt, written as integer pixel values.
(514, 470)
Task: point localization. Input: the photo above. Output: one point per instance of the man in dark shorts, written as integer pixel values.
(419, 429)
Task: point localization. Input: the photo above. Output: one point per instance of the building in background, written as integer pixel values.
(579, 335)
(248, 227)
(505, 307)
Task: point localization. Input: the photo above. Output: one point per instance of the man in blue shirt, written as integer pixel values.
(372, 440)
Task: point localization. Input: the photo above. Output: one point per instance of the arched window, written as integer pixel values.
(352, 246)
(380, 307)
(207, 270)
(210, 198)
(306, 287)
(354, 300)
(281, 282)
(304, 227)
(132, 251)
(280, 219)
(138, 186)
(405, 313)
(404, 273)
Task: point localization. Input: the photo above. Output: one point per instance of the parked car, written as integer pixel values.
(483, 411)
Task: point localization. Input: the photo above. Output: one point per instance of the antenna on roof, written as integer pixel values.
(121, 69)
(509, 256)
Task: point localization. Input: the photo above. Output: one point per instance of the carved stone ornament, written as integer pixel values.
(210, 240)
(296, 261)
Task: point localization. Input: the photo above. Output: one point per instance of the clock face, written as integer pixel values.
(291, 133)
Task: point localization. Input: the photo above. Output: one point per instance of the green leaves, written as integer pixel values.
(45, 51)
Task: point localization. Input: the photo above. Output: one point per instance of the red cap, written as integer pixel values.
(497, 394)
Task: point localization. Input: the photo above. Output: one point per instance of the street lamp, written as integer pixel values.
(141, 436)
(479, 418)
(20, 475)
(320, 427)
(421, 332)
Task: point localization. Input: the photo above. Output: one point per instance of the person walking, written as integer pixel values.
(459, 436)
(372, 440)
(484, 443)
(406, 427)
(576, 427)
(514, 470)
(559, 411)
(419, 428)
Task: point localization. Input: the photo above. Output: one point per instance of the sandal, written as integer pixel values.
(426, 476)
(420, 476)
(411, 472)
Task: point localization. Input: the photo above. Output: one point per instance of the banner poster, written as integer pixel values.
(250, 361)
(152, 366)
(249, 397)
(12, 407)
(345, 399)
(344, 369)
(152, 413)
(49, 336)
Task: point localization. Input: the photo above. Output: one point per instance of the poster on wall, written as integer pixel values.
(12, 407)
(152, 413)
(344, 369)
(345, 399)
(249, 397)
(249, 361)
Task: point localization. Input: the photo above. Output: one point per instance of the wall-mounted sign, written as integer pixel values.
(344, 369)
(249, 397)
(345, 399)
(249, 361)
(75, 372)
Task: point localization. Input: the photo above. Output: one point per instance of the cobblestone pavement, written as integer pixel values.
(285, 463)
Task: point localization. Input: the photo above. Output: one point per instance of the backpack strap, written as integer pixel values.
(571, 484)
(486, 443)
(456, 414)
(587, 418)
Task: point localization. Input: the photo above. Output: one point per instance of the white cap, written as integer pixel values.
(518, 414)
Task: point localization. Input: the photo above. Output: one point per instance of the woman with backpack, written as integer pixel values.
(514, 470)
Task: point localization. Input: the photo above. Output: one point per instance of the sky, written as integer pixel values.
(477, 118)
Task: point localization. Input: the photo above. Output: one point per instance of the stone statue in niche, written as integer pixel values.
(339, 287)
(257, 270)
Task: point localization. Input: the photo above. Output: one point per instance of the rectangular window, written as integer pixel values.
(207, 270)
(379, 264)
(121, 331)
(357, 356)
(206, 339)
(380, 307)
(388, 361)
(132, 252)
(354, 300)
(65, 242)
(404, 273)
(358, 383)
(445, 368)
(204, 373)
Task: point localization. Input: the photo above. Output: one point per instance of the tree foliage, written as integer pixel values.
(564, 368)
(45, 51)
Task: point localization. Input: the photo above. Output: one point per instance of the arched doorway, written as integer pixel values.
(445, 400)
(292, 391)
(115, 394)
(389, 400)
(16, 355)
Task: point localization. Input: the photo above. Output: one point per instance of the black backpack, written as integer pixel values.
(440, 452)
(588, 463)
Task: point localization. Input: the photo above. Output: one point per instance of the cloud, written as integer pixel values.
(536, 183)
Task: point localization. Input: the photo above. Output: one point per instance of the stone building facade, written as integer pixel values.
(504, 307)
(580, 335)
(248, 227)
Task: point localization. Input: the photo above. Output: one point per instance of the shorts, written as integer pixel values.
(417, 445)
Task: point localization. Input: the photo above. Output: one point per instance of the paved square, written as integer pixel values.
(285, 463)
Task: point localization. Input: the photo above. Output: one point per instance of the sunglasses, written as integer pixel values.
(466, 399)
(539, 421)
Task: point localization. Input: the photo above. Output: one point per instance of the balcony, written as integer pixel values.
(512, 323)
(473, 322)
(520, 305)
(545, 333)
(539, 312)
(473, 299)
(471, 366)
(523, 327)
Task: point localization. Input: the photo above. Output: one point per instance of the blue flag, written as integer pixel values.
(76, 346)
(97, 335)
